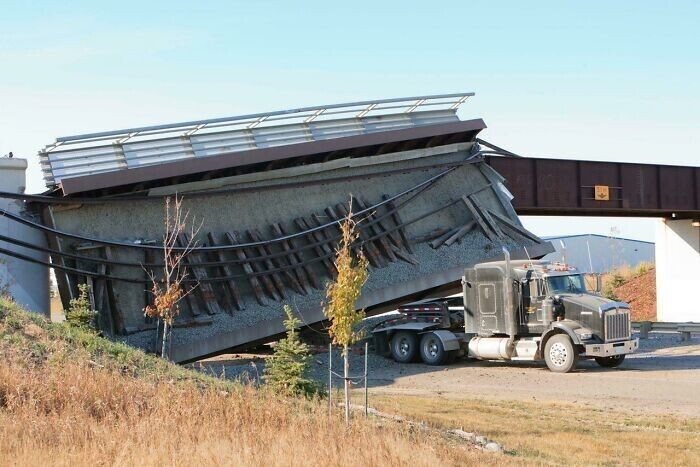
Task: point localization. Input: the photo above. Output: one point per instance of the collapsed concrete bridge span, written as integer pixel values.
(427, 205)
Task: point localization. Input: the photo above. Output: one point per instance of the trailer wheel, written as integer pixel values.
(560, 354)
(404, 346)
(432, 351)
(610, 362)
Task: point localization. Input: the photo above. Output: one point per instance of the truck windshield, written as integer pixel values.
(573, 283)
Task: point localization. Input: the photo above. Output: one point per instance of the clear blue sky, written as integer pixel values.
(591, 80)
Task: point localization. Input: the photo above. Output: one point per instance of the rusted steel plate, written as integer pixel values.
(556, 183)
(676, 188)
(566, 187)
(591, 174)
(639, 187)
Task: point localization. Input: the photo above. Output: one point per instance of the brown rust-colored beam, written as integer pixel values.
(228, 271)
(320, 245)
(206, 290)
(375, 229)
(373, 256)
(298, 271)
(561, 187)
(277, 263)
(397, 220)
(479, 219)
(305, 269)
(232, 239)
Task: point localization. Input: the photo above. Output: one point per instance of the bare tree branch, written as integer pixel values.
(169, 290)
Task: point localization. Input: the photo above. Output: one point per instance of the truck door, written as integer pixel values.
(535, 312)
(488, 322)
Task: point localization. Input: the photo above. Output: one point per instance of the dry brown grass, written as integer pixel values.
(561, 433)
(68, 398)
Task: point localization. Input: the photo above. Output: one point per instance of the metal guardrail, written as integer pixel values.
(74, 156)
(685, 329)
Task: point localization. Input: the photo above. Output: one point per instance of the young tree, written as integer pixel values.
(287, 371)
(170, 289)
(342, 295)
(80, 313)
(5, 284)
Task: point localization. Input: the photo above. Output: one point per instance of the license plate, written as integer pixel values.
(619, 350)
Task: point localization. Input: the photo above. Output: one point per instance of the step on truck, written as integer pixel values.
(513, 310)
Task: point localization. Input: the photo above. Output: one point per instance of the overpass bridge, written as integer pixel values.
(563, 187)
(272, 187)
(560, 187)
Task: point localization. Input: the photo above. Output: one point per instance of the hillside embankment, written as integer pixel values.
(69, 397)
(636, 286)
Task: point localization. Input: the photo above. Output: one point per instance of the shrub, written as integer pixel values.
(287, 371)
(80, 314)
(642, 268)
(616, 280)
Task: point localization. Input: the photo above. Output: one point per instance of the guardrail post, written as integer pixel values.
(685, 335)
(644, 329)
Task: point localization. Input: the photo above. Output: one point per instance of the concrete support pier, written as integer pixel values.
(27, 283)
(678, 270)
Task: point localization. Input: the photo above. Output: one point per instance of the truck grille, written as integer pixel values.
(617, 325)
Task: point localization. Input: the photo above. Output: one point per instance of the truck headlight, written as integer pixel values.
(584, 334)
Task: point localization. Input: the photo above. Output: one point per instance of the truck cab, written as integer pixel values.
(514, 310)
(529, 303)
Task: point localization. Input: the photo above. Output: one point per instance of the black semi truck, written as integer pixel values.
(525, 310)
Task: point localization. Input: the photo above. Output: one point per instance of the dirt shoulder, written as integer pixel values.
(660, 379)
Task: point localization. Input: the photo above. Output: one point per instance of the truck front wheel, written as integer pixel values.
(560, 354)
(404, 346)
(432, 351)
(610, 362)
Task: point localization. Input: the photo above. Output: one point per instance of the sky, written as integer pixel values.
(594, 80)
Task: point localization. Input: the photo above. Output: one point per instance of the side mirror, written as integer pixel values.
(599, 283)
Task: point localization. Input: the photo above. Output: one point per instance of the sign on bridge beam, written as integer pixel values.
(559, 187)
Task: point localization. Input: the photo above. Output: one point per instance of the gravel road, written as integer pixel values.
(662, 377)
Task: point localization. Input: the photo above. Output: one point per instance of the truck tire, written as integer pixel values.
(560, 354)
(610, 362)
(432, 351)
(404, 346)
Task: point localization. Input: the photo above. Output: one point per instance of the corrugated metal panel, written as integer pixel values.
(606, 253)
(363, 145)
(82, 155)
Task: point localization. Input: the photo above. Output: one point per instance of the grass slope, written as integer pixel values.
(68, 397)
(561, 434)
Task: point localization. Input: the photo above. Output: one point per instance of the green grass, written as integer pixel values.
(39, 339)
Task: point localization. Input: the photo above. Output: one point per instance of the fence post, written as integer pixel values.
(366, 397)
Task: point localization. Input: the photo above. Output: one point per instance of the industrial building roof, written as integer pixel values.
(563, 237)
